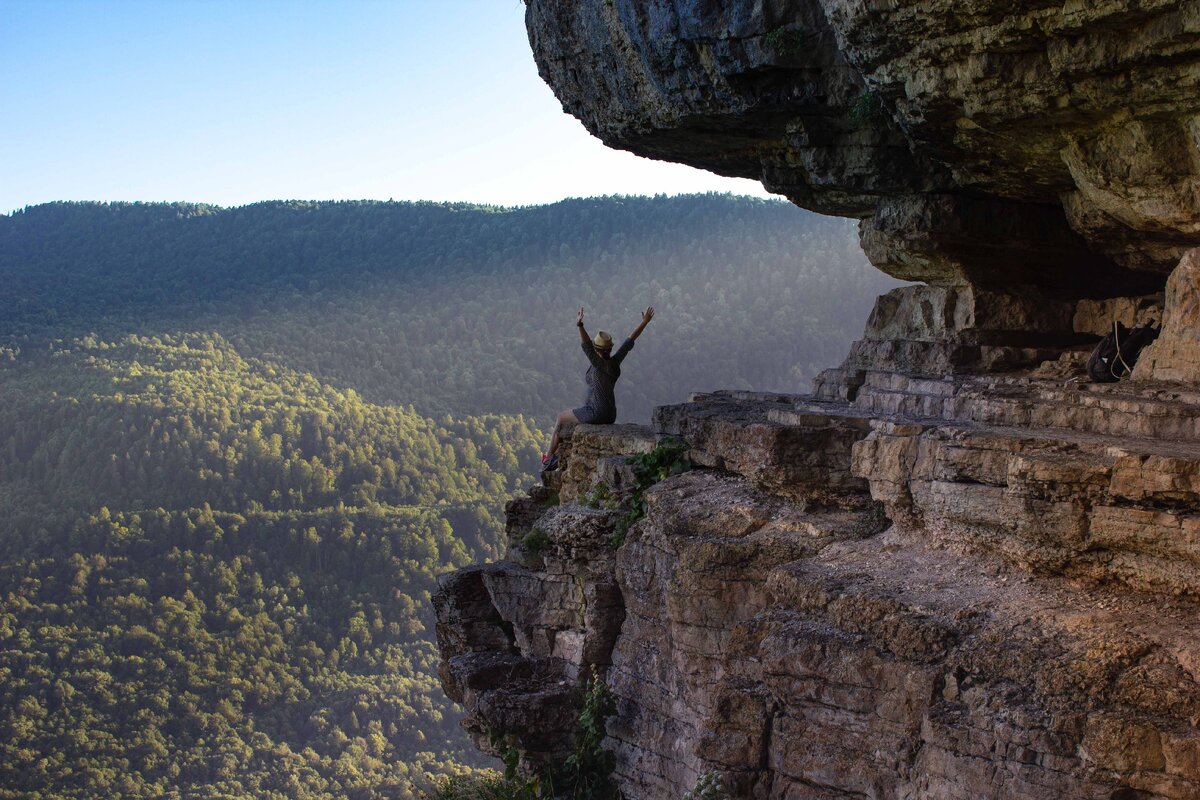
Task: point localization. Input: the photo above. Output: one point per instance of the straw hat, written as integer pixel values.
(602, 340)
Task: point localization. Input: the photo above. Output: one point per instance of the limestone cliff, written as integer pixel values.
(963, 133)
(955, 570)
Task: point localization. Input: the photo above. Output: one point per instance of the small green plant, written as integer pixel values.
(599, 497)
(589, 768)
(512, 785)
(587, 771)
(485, 786)
(627, 521)
(535, 542)
(669, 457)
(787, 42)
(709, 786)
(867, 107)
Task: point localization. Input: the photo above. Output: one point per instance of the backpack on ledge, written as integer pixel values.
(1118, 351)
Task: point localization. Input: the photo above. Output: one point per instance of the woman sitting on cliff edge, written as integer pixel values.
(600, 407)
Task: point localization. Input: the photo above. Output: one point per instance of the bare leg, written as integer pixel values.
(564, 418)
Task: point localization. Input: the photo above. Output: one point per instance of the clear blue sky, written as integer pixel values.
(233, 102)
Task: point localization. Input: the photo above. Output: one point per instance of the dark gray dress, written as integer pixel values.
(600, 405)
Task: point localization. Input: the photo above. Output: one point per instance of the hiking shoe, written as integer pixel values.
(549, 462)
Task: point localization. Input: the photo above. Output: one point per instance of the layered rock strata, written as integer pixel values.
(966, 134)
(973, 587)
(955, 570)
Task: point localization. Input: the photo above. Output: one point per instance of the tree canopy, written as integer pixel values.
(238, 445)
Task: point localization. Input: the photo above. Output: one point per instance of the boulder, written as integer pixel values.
(1175, 355)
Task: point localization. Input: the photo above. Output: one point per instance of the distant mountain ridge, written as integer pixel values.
(456, 308)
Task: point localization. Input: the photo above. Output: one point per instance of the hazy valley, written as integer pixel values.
(237, 445)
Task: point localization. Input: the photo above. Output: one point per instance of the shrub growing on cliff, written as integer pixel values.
(669, 457)
(484, 786)
(589, 768)
(709, 786)
(587, 773)
(786, 42)
(599, 497)
(491, 785)
(535, 542)
(867, 108)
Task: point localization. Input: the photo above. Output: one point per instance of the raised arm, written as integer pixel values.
(624, 349)
(647, 315)
(589, 349)
(583, 334)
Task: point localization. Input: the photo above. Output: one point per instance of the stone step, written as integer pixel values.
(801, 456)
(1092, 505)
(1086, 506)
(1125, 410)
(592, 444)
(903, 665)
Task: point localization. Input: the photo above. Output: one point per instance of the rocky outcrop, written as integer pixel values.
(955, 570)
(982, 139)
(971, 587)
(1175, 355)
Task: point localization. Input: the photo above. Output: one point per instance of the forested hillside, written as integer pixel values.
(238, 445)
(456, 308)
(215, 575)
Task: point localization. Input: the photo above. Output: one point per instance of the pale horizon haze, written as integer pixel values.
(232, 103)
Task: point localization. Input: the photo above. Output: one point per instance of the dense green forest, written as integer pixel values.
(238, 445)
(455, 308)
(215, 574)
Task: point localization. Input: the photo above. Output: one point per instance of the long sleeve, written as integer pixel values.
(589, 350)
(622, 351)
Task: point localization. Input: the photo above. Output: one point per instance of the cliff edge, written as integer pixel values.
(955, 570)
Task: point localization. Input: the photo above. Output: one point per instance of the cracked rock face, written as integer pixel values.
(985, 141)
(974, 587)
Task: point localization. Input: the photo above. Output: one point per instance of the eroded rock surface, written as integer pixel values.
(1027, 142)
(955, 570)
(1175, 355)
(978, 587)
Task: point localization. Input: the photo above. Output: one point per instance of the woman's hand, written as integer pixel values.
(647, 315)
(583, 336)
